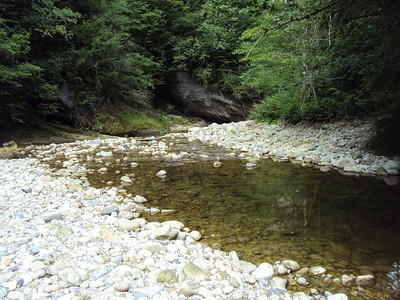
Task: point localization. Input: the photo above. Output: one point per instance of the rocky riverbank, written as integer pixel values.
(61, 238)
(340, 146)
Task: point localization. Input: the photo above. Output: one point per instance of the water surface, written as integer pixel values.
(347, 224)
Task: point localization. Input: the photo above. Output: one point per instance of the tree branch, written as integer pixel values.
(307, 16)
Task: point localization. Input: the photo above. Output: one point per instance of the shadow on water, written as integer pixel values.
(276, 211)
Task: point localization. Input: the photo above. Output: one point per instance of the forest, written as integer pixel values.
(299, 60)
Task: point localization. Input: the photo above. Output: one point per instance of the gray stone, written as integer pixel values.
(100, 273)
(161, 173)
(342, 163)
(194, 272)
(278, 283)
(174, 224)
(88, 195)
(195, 235)
(63, 274)
(139, 199)
(63, 231)
(392, 172)
(3, 292)
(167, 276)
(16, 295)
(291, 264)
(186, 290)
(325, 168)
(392, 180)
(303, 271)
(126, 179)
(392, 165)
(110, 209)
(381, 172)
(366, 280)
(53, 216)
(318, 271)
(34, 250)
(26, 189)
(74, 279)
(122, 287)
(233, 282)
(139, 295)
(165, 233)
(301, 281)
(347, 281)
(105, 153)
(128, 225)
(264, 271)
(282, 270)
(338, 297)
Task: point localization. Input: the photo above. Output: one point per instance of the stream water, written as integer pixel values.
(276, 211)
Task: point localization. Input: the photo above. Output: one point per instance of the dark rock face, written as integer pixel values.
(66, 100)
(209, 104)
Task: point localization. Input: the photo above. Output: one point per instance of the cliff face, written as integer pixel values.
(209, 104)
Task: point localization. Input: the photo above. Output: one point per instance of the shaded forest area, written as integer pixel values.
(301, 60)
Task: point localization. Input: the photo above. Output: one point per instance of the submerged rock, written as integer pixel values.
(139, 199)
(161, 173)
(291, 264)
(318, 271)
(347, 281)
(365, 280)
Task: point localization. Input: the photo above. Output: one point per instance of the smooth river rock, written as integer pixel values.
(264, 271)
(193, 271)
(365, 280)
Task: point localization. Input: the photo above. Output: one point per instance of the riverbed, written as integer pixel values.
(265, 211)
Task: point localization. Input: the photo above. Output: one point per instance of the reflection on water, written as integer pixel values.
(276, 211)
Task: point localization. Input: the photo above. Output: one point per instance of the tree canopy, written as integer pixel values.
(302, 60)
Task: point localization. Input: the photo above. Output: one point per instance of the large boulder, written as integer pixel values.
(209, 104)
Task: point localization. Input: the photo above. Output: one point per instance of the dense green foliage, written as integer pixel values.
(302, 60)
(340, 62)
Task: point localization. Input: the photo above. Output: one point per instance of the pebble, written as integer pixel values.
(291, 264)
(195, 235)
(264, 271)
(53, 216)
(347, 281)
(365, 280)
(139, 199)
(318, 270)
(161, 173)
(301, 281)
(122, 287)
(338, 297)
(110, 209)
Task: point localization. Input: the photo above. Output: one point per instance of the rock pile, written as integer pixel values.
(338, 146)
(64, 239)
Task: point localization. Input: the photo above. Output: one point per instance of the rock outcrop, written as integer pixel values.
(209, 104)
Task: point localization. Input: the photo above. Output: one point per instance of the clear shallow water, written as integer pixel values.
(277, 211)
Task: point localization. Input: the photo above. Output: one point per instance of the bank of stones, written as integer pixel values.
(59, 241)
(340, 146)
(62, 238)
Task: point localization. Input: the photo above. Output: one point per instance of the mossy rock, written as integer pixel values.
(9, 152)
